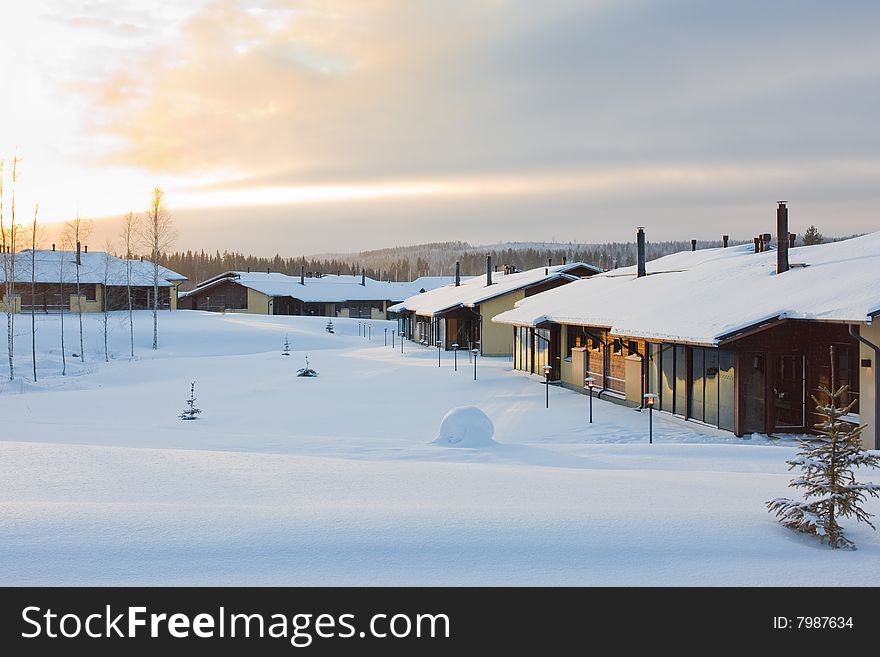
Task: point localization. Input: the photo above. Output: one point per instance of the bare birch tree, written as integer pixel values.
(128, 236)
(105, 280)
(62, 310)
(75, 232)
(36, 239)
(158, 235)
(8, 247)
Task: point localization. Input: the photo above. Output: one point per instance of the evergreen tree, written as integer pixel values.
(329, 327)
(286, 351)
(307, 370)
(827, 461)
(191, 411)
(813, 236)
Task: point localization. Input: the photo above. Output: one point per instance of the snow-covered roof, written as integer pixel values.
(328, 288)
(474, 291)
(49, 265)
(705, 296)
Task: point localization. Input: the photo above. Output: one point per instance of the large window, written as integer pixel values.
(574, 337)
(693, 381)
(542, 350)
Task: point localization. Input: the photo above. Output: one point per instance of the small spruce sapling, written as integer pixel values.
(286, 351)
(329, 327)
(827, 463)
(191, 412)
(306, 371)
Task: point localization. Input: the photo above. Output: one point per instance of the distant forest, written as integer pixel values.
(404, 263)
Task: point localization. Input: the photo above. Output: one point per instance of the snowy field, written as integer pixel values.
(336, 480)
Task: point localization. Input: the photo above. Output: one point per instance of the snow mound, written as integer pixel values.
(466, 426)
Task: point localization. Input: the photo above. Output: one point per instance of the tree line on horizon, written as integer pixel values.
(405, 263)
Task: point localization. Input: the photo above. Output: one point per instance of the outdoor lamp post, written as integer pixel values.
(386, 336)
(650, 400)
(547, 370)
(393, 333)
(590, 381)
(439, 345)
(474, 353)
(401, 342)
(370, 330)
(455, 356)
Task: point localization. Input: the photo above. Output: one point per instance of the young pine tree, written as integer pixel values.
(191, 412)
(827, 461)
(286, 351)
(329, 327)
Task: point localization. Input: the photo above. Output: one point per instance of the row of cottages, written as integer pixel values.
(103, 281)
(460, 313)
(728, 337)
(326, 295)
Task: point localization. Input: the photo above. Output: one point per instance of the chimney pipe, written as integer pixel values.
(564, 260)
(693, 245)
(725, 239)
(757, 245)
(782, 238)
(86, 247)
(549, 262)
(78, 256)
(302, 275)
(457, 273)
(488, 270)
(267, 270)
(364, 277)
(792, 239)
(640, 247)
(53, 246)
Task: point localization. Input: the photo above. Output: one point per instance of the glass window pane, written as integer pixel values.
(726, 390)
(667, 377)
(680, 380)
(710, 396)
(653, 367)
(696, 410)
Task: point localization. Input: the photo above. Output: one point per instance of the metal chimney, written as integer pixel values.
(86, 247)
(782, 238)
(564, 260)
(693, 245)
(78, 254)
(724, 240)
(549, 262)
(757, 245)
(364, 277)
(302, 275)
(488, 270)
(640, 247)
(53, 246)
(792, 239)
(457, 273)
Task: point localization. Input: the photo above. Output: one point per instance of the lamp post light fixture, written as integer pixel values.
(439, 345)
(547, 370)
(455, 356)
(590, 382)
(474, 353)
(401, 342)
(650, 400)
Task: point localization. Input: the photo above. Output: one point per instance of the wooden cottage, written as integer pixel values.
(327, 295)
(460, 313)
(730, 338)
(102, 279)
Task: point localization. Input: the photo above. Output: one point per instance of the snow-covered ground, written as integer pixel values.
(338, 479)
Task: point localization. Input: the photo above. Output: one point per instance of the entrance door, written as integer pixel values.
(789, 392)
(753, 392)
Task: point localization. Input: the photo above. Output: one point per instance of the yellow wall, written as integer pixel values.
(497, 339)
(258, 303)
(867, 381)
(377, 313)
(633, 376)
(173, 296)
(95, 306)
(16, 304)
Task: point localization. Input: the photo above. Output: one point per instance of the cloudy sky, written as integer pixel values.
(331, 125)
